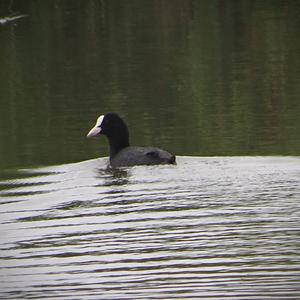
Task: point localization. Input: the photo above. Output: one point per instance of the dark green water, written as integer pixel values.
(194, 77)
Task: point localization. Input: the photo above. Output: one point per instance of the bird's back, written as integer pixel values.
(132, 156)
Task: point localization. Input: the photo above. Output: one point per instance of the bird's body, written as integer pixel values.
(133, 156)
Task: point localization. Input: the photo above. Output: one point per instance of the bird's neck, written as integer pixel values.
(117, 143)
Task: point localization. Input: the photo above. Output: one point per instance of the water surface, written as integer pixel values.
(206, 228)
(194, 77)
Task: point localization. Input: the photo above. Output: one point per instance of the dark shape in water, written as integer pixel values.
(121, 153)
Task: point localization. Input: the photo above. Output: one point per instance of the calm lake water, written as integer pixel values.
(216, 83)
(207, 228)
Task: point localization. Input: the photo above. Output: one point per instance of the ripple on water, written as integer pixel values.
(206, 228)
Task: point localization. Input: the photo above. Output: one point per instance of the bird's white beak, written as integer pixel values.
(94, 132)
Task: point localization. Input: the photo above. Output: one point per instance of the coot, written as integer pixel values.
(121, 153)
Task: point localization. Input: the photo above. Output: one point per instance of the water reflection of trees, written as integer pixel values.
(196, 77)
